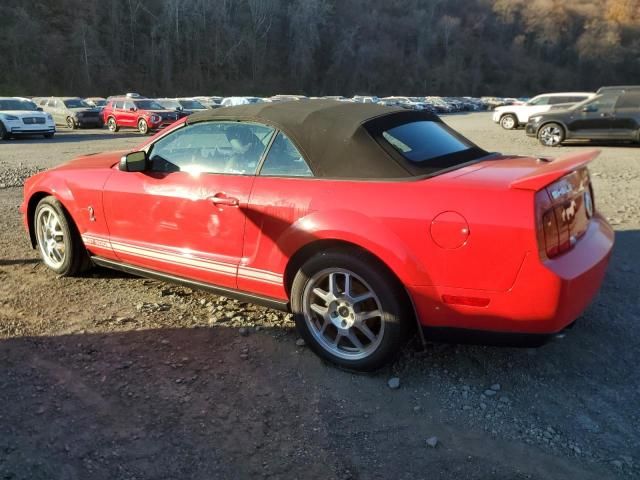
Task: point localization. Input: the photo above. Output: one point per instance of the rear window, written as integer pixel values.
(423, 141)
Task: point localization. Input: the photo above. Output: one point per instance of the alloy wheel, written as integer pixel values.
(343, 313)
(550, 135)
(51, 238)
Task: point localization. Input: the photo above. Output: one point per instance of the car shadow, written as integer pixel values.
(113, 398)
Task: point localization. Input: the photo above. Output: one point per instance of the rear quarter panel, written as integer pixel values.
(392, 220)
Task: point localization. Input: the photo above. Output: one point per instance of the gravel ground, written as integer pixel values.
(111, 376)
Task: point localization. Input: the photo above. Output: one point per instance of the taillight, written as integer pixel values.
(563, 211)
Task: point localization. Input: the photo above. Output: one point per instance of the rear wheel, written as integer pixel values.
(4, 134)
(112, 125)
(551, 135)
(348, 309)
(59, 242)
(71, 123)
(143, 127)
(509, 121)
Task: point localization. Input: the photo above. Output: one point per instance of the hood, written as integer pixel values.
(24, 113)
(94, 160)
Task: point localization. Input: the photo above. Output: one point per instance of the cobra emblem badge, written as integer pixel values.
(92, 217)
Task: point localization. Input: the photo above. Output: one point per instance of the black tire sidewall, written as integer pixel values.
(552, 124)
(515, 121)
(396, 315)
(76, 256)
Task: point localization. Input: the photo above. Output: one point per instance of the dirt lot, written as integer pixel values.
(115, 377)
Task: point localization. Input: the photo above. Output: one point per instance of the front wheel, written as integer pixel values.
(348, 309)
(143, 127)
(71, 123)
(59, 242)
(509, 121)
(551, 135)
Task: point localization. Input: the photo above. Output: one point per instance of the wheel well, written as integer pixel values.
(311, 249)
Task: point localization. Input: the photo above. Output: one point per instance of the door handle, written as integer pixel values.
(222, 199)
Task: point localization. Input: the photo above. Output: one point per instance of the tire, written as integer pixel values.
(58, 240)
(112, 125)
(551, 135)
(326, 314)
(71, 123)
(48, 135)
(4, 134)
(143, 126)
(509, 121)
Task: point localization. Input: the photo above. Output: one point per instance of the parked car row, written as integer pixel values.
(611, 113)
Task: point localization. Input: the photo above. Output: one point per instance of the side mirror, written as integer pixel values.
(589, 108)
(134, 162)
(132, 109)
(39, 109)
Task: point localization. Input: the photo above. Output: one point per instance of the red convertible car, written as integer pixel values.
(364, 221)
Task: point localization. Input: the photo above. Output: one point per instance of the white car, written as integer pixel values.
(514, 116)
(20, 116)
(233, 101)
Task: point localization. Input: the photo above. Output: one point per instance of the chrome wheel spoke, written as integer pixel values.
(333, 285)
(354, 340)
(367, 315)
(326, 296)
(322, 311)
(362, 298)
(366, 331)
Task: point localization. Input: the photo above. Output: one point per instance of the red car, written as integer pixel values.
(365, 221)
(141, 113)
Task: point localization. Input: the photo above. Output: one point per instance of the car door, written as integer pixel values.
(593, 119)
(281, 194)
(626, 116)
(185, 215)
(128, 116)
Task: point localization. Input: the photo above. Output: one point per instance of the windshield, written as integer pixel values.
(76, 103)
(100, 103)
(15, 104)
(192, 105)
(148, 105)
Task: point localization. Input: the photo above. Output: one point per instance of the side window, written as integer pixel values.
(558, 100)
(629, 101)
(52, 102)
(118, 105)
(602, 104)
(540, 101)
(212, 147)
(284, 160)
(129, 105)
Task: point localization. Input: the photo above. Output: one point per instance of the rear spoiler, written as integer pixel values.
(553, 170)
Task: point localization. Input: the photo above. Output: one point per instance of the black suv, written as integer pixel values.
(613, 114)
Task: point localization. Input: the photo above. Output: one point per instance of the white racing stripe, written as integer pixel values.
(187, 260)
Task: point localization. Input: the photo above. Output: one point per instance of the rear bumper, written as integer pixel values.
(545, 298)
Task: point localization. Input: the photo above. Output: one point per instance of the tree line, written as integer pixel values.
(317, 47)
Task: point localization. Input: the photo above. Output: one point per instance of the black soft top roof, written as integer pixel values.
(329, 133)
